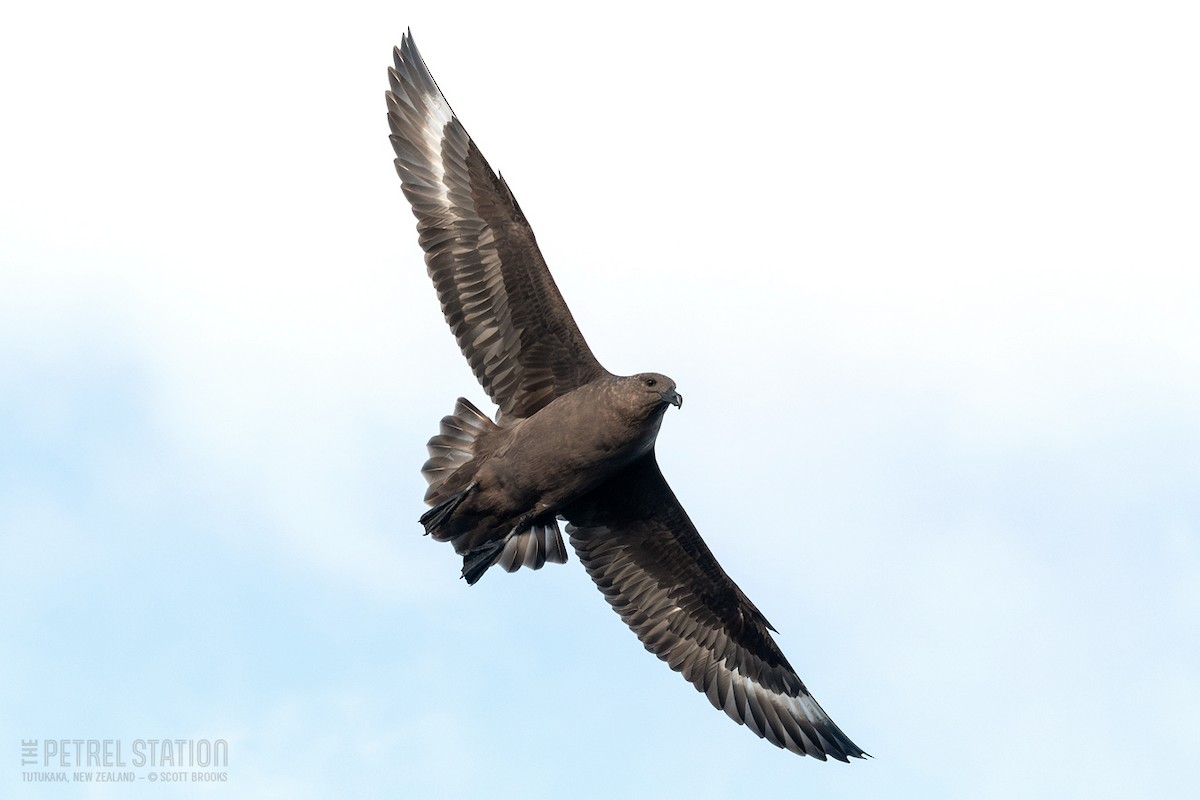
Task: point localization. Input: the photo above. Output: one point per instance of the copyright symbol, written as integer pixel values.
(152, 777)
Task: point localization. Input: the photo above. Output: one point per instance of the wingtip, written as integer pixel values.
(404, 51)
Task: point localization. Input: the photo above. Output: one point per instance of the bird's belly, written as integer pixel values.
(546, 466)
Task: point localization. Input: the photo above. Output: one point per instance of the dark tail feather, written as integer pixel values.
(541, 542)
(452, 447)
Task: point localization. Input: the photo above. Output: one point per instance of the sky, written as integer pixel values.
(927, 274)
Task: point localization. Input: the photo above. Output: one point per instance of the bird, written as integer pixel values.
(570, 441)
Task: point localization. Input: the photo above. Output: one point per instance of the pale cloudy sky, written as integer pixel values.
(927, 273)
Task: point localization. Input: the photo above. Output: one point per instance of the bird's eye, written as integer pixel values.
(651, 382)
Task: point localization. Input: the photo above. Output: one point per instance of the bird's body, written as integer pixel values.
(571, 440)
(523, 474)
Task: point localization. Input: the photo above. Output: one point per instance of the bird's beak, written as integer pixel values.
(673, 397)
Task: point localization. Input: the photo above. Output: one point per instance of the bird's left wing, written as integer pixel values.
(646, 556)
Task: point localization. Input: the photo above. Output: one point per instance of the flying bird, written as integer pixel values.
(571, 440)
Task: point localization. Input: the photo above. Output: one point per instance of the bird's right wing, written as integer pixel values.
(645, 555)
(497, 294)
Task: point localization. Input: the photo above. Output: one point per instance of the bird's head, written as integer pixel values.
(658, 391)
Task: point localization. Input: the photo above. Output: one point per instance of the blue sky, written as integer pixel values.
(927, 277)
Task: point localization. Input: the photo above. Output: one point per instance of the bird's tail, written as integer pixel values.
(480, 538)
(451, 448)
(531, 547)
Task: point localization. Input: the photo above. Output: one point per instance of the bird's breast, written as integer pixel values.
(568, 448)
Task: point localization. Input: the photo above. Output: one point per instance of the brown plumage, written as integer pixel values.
(571, 440)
